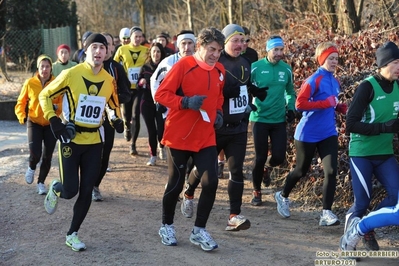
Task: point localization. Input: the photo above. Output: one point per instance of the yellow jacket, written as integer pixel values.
(30, 96)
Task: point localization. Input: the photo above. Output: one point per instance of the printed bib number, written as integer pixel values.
(239, 104)
(133, 74)
(90, 109)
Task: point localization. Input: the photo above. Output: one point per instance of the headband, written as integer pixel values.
(323, 56)
(183, 36)
(273, 43)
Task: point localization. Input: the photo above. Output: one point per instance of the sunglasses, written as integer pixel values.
(247, 40)
(126, 38)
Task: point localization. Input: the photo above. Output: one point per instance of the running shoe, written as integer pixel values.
(203, 239)
(73, 242)
(256, 198)
(29, 175)
(127, 135)
(237, 223)
(41, 189)
(369, 241)
(51, 200)
(133, 150)
(328, 218)
(187, 207)
(152, 161)
(283, 205)
(96, 194)
(351, 237)
(168, 235)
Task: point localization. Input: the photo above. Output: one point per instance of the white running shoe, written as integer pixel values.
(152, 161)
(29, 175)
(203, 239)
(96, 195)
(168, 235)
(283, 205)
(351, 237)
(187, 207)
(328, 218)
(51, 200)
(73, 242)
(41, 189)
(237, 223)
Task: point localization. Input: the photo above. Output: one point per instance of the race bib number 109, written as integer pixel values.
(133, 74)
(90, 110)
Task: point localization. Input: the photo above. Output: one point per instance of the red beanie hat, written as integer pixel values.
(63, 46)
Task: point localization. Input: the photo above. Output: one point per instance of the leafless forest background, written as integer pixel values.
(296, 16)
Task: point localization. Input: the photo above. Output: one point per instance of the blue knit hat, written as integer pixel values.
(274, 42)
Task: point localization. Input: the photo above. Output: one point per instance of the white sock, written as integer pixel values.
(197, 229)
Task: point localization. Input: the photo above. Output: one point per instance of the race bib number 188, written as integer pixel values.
(237, 105)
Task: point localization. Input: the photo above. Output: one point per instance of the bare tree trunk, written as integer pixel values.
(140, 4)
(241, 12)
(347, 17)
(230, 11)
(390, 13)
(223, 14)
(316, 6)
(190, 17)
(331, 14)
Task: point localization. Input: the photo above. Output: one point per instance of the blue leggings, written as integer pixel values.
(362, 170)
(383, 217)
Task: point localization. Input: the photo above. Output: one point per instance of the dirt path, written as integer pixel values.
(123, 229)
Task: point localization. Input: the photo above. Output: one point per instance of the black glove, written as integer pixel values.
(117, 123)
(290, 115)
(250, 107)
(260, 93)
(193, 102)
(219, 120)
(59, 130)
(391, 126)
(160, 108)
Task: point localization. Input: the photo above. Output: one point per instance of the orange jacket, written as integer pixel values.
(30, 96)
(185, 129)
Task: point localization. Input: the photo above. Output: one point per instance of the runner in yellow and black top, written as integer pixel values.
(132, 56)
(87, 88)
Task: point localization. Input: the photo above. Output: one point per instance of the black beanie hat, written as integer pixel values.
(387, 53)
(96, 37)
